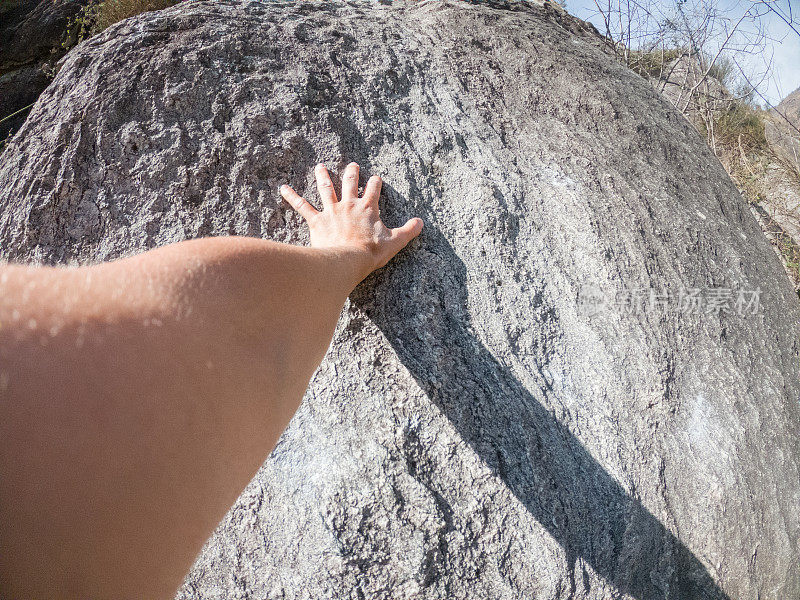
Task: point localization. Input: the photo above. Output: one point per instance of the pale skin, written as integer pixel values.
(138, 397)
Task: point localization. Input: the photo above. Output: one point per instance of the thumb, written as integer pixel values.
(400, 236)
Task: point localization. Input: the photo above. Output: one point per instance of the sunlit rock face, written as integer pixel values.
(567, 387)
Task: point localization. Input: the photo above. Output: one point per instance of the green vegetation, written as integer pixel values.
(98, 15)
(741, 126)
(741, 145)
(736, 133)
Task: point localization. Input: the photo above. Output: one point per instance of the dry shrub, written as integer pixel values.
(654, 63)
(109, 12)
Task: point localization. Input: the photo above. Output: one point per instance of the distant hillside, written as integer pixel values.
(790, 106)
(779, 185)
(783, 131)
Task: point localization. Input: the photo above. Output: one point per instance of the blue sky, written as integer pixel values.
(784, 47)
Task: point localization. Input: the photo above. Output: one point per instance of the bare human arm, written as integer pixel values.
(138, 397)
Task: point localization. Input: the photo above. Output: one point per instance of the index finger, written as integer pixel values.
(297, 202)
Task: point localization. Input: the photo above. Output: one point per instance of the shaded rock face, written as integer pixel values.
(477, 429)
(31, 36)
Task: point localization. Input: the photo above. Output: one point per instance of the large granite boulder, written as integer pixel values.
(526, 403)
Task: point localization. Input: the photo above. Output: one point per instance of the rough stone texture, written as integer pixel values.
(774, 172)
(31, 36)
(474, 431)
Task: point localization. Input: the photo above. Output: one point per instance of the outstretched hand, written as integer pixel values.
(352, 223)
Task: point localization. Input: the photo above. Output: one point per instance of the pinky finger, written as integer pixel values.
(297, 202)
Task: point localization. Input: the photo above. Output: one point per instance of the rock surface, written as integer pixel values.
(477, 429)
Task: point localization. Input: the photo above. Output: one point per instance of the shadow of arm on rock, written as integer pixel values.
(545, 466)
